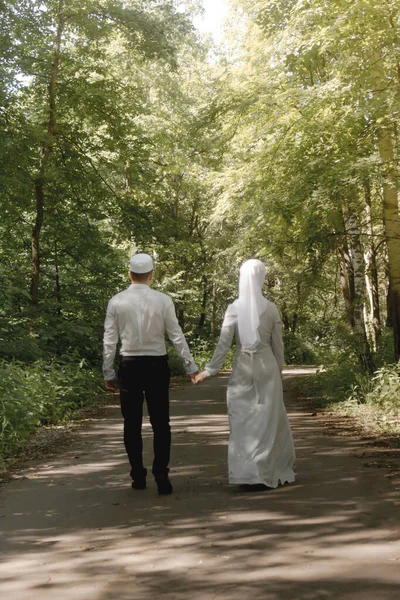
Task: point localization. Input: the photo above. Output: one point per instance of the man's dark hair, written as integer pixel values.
(140, 277)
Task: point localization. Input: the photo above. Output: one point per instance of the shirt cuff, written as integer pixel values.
(206, 373)
(109, 375)
(190, 368)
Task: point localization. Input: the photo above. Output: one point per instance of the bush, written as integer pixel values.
(202, 351)
(297, 352)
(382, 390)
(331, 384)
(16, 343)
(373, 401)
(40, 393)
(175, 363)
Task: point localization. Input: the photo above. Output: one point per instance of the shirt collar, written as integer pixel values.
(139, 286)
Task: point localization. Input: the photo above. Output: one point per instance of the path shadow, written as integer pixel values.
(75, 529)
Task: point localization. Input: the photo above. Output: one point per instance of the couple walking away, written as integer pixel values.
(261, 450)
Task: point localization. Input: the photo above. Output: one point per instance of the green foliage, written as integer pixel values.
(298, 352)
(303, 150)
(331, 384)
(346, 389)
(175, 363)
(121, 162)
(383, 389)
(41, 393)
(202, 350)
(257, 153)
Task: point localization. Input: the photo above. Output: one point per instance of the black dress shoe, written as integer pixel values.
(139, 484)
(164, 486)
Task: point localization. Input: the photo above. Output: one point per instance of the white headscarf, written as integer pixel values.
(246, 311)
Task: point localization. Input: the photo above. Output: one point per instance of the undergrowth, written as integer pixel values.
(344, 388)
(40, 393)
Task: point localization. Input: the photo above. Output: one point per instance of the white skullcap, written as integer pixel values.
(141, 263)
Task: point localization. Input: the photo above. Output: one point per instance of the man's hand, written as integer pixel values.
(111, 384)
(200, 377)
(193, 377)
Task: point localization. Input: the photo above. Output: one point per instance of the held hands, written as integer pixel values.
(198, 377)
(193, 377)
(201, 377)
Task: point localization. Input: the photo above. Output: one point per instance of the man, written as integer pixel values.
(138, 317)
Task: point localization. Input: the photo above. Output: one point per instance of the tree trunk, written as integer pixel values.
(371, 273)
(181, 318)
(347, 274)
(58, 284)
(35, 241)
(296, 313)
(213, 310)
(391, 218)
(357, 259)
(389, 297)
(285, 317)
(204, 302)
(347, 289)
(392, 233)
(39, 181)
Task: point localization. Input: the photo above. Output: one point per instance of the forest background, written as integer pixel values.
(124, 129)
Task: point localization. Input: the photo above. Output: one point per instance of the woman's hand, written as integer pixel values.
(193, 377)
(200, 377)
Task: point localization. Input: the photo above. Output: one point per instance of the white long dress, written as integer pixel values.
(261, 446)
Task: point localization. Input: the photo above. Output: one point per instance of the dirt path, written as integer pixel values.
(73, 529)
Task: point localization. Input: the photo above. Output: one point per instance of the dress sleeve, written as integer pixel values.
(277, 342)
(110, 341)
(219, 356)
(176, 336)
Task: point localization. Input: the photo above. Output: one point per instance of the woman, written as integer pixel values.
(261, 447)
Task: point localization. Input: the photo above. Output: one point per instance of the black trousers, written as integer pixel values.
(146, 377)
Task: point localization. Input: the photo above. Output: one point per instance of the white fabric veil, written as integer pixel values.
(246, 311)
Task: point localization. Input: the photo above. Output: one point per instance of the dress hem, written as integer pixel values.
(259, 480)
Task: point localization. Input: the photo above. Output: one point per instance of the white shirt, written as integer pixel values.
(138, 317)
